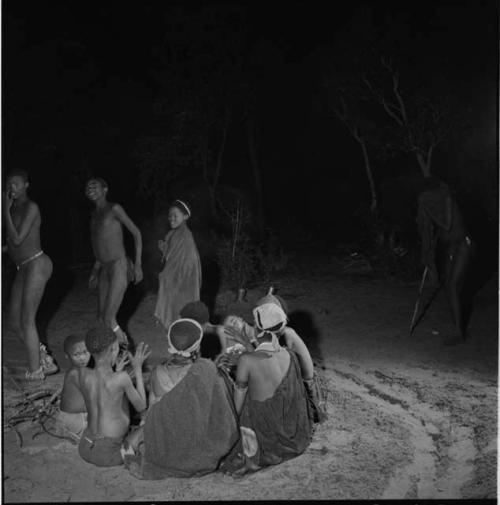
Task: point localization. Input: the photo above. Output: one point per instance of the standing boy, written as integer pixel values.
(112, 269)
(106, 395)
(34, 268)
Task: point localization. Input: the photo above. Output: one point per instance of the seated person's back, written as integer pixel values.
(106, 395)
(267, 369)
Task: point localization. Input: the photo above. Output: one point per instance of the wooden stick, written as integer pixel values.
(417, 303)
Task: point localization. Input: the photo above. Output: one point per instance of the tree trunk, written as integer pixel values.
(253, 151)
(212, 186)
(369, 174)
(424, 165)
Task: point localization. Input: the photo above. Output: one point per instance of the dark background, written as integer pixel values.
(83, 82)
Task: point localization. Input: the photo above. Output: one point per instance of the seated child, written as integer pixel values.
(71, 418)
(106, 393)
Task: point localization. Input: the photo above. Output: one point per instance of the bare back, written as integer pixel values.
(31, 243)
(266, 371)
(107, 405)
(72, 399)
(106, 234)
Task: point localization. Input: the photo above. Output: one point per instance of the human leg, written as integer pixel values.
(457, 265)
(102, 291)
(36, 275)
(117, 286)
(15, 302)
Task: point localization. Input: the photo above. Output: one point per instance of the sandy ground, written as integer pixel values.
(408, 417)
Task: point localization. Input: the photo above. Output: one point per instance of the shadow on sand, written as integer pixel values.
(302, 322)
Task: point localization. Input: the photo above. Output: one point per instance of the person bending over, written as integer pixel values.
(442, 229)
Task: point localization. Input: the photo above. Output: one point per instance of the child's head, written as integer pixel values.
(100, 340)
(197, 311)
(178, 213)
(76, 350)
(184, 338)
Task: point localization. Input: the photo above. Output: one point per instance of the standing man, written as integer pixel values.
(442, 228)
(34, 268)
(112, 270)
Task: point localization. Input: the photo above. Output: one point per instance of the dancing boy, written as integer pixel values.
(112, 270)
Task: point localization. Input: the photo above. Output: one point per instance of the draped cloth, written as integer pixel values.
(180, 280)
(275, 429)
(192, 427)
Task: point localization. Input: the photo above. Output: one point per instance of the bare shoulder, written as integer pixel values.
(31, 208)
(250, 359)
(246, 359)
(117, 210)
(72, 375)
(121, 379)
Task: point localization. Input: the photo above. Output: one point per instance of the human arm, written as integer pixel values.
(237, 329)
(132, 228)
(241, 382)
(94, 274)
(296, 344)
(14, 236)
(153, 378)
(122, 361)
(137, 394)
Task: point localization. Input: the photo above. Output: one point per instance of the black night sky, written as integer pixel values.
(97, 88)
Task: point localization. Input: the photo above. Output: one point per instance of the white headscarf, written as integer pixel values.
(187, 353)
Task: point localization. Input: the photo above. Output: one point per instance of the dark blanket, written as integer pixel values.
(282, 423)
(192, 427)
(180, 280)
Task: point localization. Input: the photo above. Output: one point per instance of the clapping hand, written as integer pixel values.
(141, 354)
(122, 361)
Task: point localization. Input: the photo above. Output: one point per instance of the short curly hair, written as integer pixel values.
(98, 339)
(70, 341)
(197, 311)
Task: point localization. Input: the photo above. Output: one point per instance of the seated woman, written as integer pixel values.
(238, 330)
(274, 414)
(191, 424)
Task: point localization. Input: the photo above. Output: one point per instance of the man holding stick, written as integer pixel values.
(441, 228)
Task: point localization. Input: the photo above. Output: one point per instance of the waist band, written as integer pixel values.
(31, 258)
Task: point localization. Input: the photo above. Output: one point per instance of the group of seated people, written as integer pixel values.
(251, 407)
